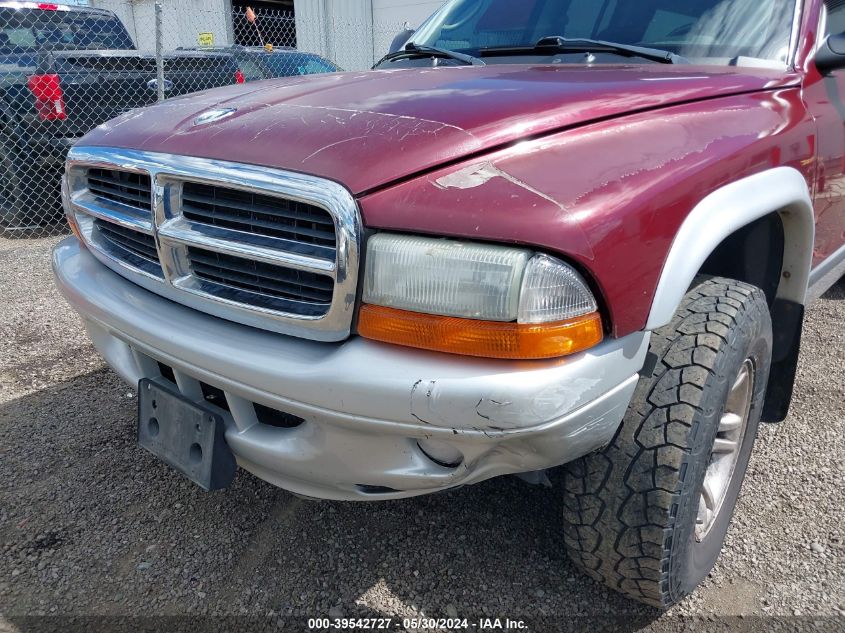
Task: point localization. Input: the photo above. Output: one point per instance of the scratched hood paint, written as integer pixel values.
(369, 129)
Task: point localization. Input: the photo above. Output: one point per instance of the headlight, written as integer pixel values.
(473, 281)
(475, 299)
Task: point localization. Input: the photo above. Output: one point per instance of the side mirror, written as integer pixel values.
(831, 54)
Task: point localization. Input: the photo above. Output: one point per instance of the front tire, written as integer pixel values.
(648, 515)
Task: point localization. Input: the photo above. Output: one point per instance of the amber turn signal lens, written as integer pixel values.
(74, 228)
(488, 339)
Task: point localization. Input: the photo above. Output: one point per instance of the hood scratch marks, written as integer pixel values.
(323, 149)
(355, 113)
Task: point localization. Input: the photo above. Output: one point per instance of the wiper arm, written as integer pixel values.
(558, 44)
(412, 50)
(600, 46)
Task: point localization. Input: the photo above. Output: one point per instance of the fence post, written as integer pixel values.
(159, 53)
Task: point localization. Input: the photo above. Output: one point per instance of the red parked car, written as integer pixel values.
(554, 233)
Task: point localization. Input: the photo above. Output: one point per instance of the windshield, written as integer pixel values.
(24, 30)
(703, 31)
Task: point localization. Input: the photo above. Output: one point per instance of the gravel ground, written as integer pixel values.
(91, 525)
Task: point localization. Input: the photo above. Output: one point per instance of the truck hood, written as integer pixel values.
(366, 130)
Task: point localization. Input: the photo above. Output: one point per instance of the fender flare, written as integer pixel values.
(725, 211)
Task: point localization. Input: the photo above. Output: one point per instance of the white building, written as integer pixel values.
(399, 11)
(356, 33)
(353, 33)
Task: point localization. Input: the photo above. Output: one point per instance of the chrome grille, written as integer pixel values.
(129, 245)
(267, 248)
(258, 214)
(296, 291)
(127, 188)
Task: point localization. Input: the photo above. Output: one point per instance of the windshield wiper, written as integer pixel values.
(558, 44)
(412, 50)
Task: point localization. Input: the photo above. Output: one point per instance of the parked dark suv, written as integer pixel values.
(256, 63)
(66, 70)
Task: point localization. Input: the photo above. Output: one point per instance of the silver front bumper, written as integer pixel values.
(374, 414)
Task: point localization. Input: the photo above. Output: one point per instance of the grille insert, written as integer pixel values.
(167, 372)
(266, 248)
(258, 214)
(276, 418)
(214, 395)
(133, 247)
(123, 187)
(312, 292)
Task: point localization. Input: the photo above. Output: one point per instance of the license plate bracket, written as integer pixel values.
(187, 435)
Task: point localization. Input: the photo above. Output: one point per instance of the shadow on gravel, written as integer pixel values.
(92, 525)
(837, 292)
(59, 227)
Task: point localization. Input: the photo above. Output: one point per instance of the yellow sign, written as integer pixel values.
(206, 39)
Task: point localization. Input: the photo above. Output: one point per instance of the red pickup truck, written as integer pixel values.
(576, 233)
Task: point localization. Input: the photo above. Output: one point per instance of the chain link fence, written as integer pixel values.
(259, 27)
(65, 70)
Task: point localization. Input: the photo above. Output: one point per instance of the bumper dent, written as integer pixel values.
(368, 407)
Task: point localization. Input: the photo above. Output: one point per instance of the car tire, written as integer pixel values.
(647, 515)
(11, 213)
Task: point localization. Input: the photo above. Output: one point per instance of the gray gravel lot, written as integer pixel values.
(92, 525)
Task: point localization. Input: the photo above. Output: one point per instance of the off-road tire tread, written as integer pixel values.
(620, 504)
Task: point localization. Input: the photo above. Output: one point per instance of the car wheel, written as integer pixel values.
(12, 218)
(648, 514)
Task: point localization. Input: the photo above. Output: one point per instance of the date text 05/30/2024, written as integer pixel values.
(416, 624)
